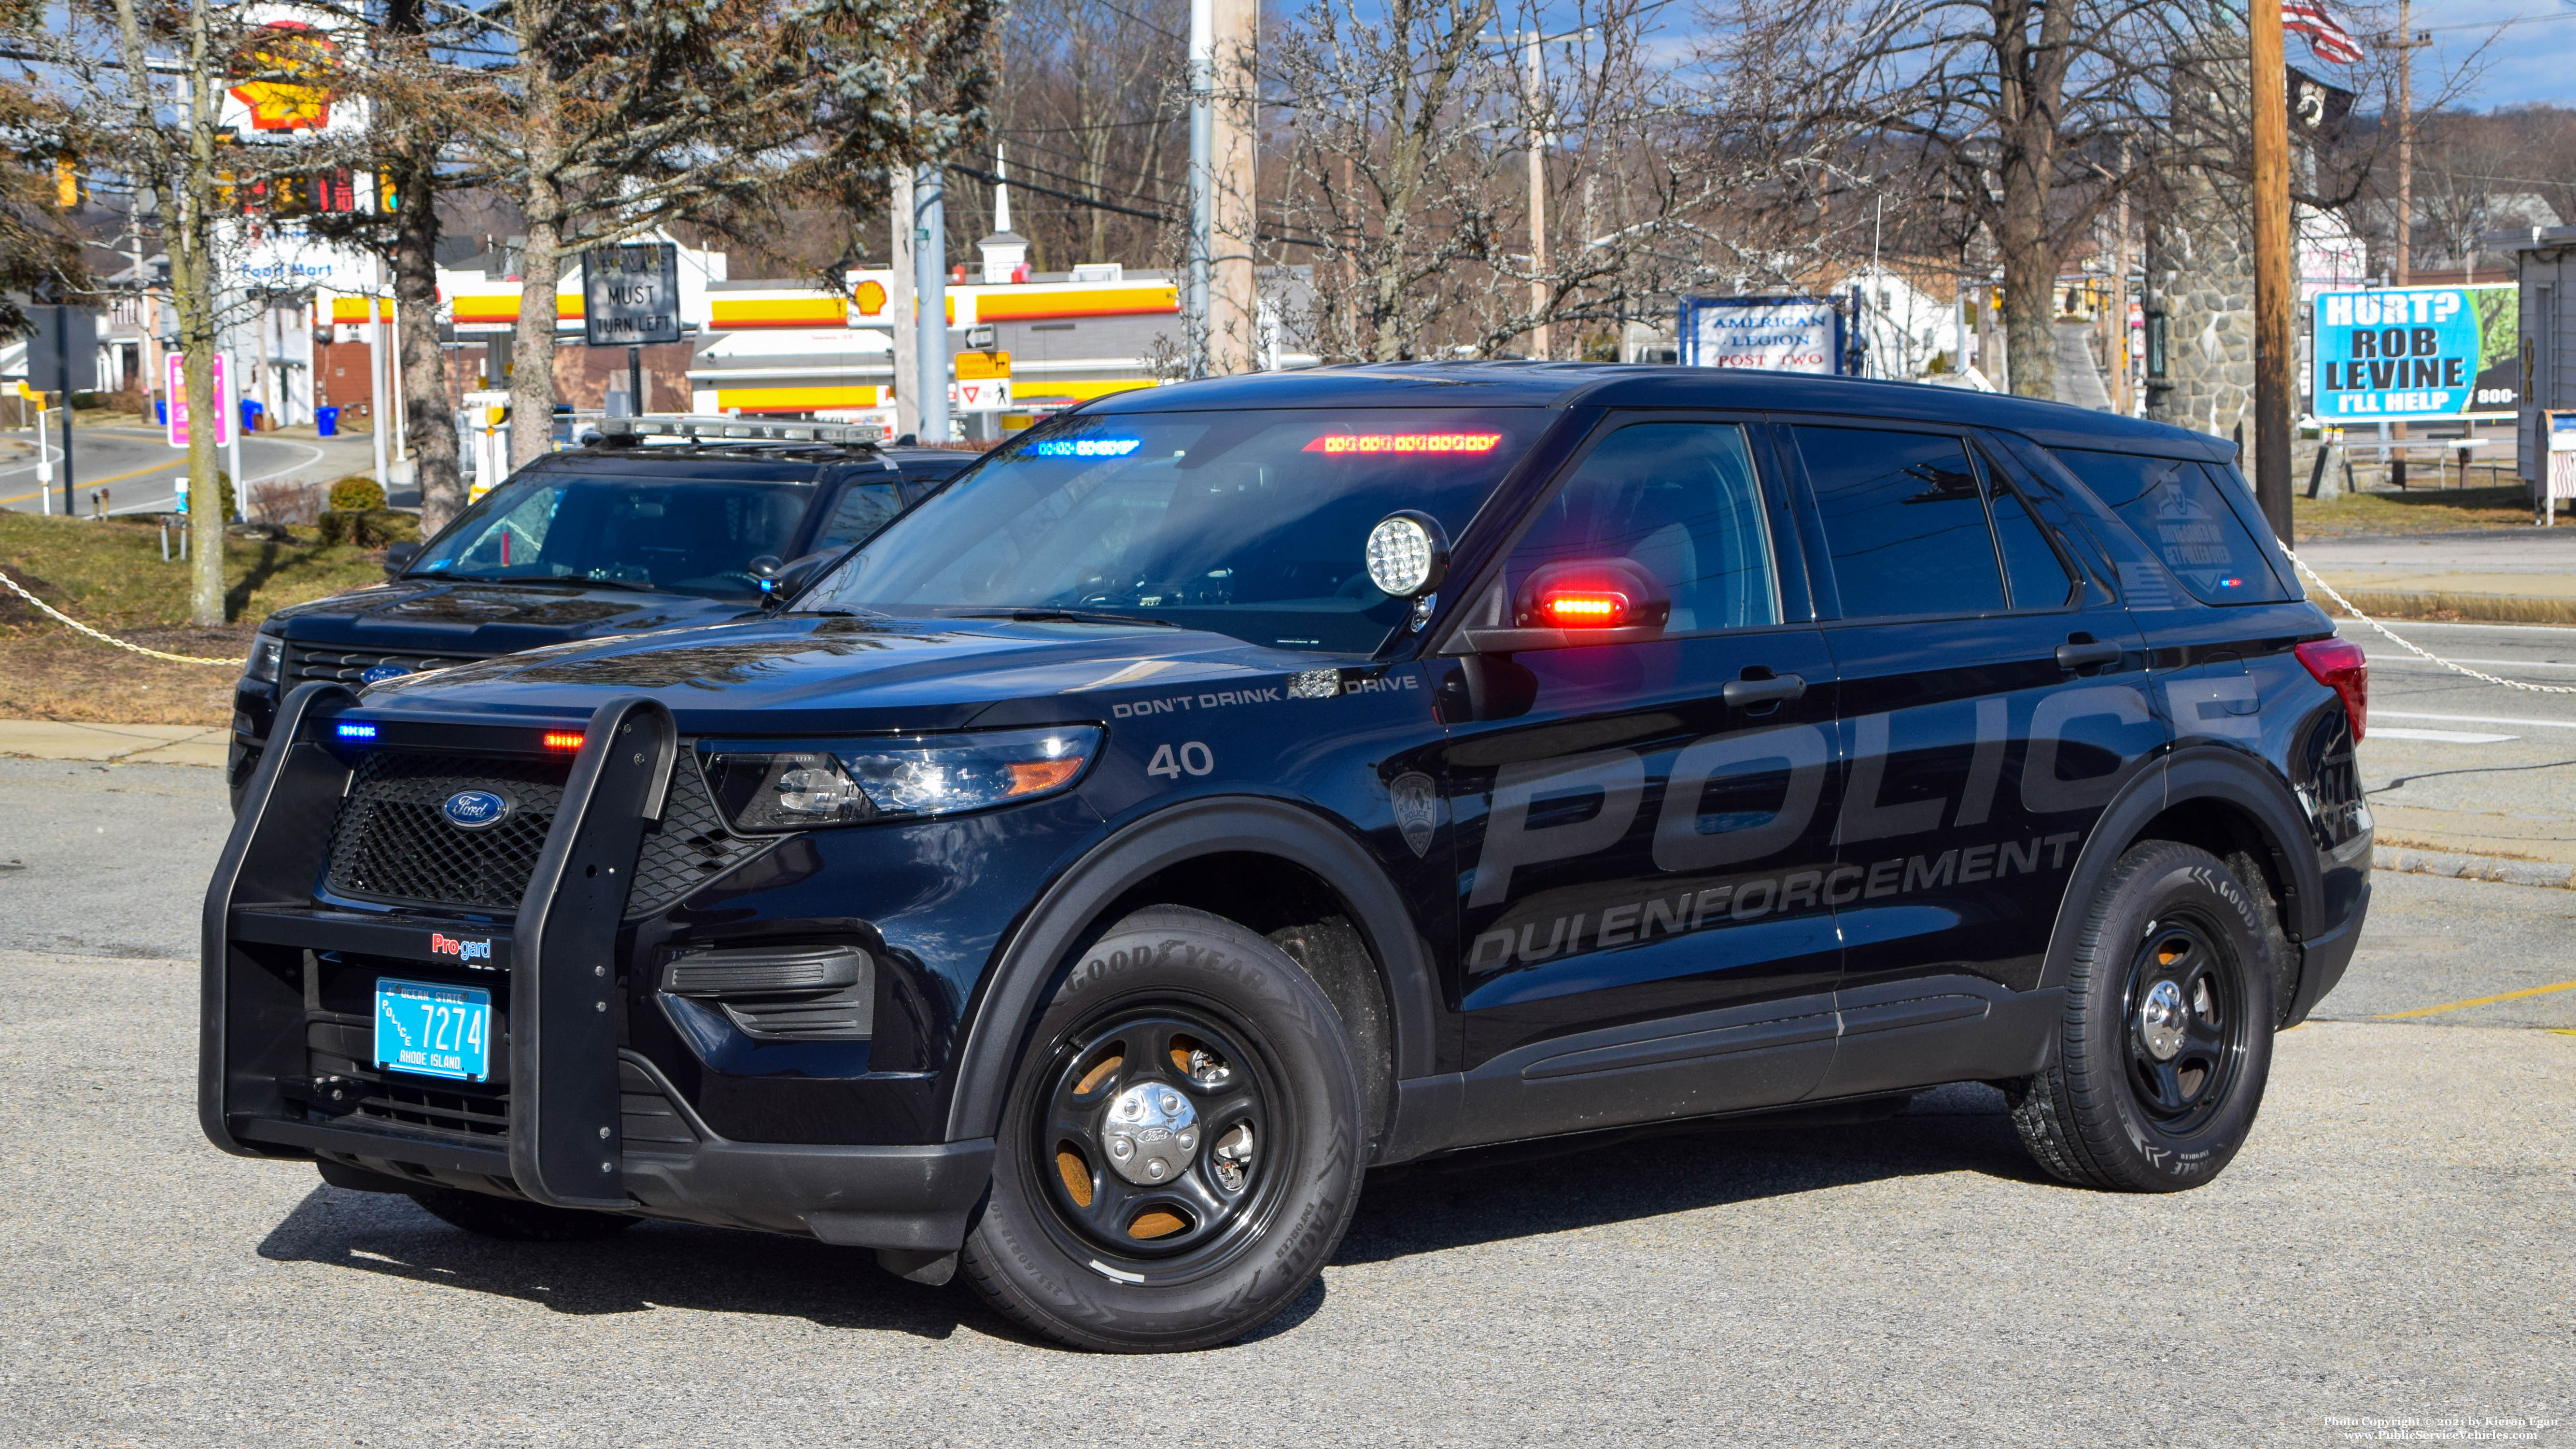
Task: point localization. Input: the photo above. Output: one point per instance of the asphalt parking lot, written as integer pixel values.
(2388, 1256)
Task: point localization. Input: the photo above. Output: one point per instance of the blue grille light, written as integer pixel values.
(1087, 447)
(357, 731)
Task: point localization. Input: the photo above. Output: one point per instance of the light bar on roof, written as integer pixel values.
(1356, 444)
(1086, 447)
(720, 427)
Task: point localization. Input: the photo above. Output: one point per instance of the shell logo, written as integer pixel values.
(871, 297)
(287, 47)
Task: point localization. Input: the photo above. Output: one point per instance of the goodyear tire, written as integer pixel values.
(1181, 1149)
(514, 1221)
(2167, 1038)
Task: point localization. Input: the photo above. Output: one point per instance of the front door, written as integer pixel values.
(1993, 701)
(1645, 931)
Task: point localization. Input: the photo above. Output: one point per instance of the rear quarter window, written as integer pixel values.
(2183, 513)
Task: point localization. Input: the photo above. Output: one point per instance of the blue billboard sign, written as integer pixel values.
(2407, 354)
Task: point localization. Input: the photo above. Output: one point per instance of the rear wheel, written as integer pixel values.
(515, 1221)
(1181, 1149)
(2167, 1038)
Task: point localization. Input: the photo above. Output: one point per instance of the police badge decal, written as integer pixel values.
(1417, 809)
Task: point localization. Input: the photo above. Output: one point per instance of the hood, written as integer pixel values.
(809, 674)
(464, 617)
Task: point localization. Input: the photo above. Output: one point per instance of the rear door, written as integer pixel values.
(1992, 702)
(1643, 859)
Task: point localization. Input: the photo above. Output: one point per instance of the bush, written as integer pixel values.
(369, 527)
(356, 494)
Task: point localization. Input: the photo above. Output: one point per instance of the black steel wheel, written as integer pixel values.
(2186, 1017)
(2166, 1040)
(1154, 1124)
(1181, 1149)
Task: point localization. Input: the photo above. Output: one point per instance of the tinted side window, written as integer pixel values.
(1904, 521)
(2177, 509)
(862, 510)
(2039, 579)
(1677, 500)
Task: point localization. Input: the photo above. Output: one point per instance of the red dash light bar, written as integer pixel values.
(1340, 444)
(563, 739)
(1585, 609)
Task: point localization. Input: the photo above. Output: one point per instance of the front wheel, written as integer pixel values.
(2167, 1036)
(1181, 1150)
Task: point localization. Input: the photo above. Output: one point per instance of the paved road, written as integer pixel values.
(2391, 1245)
(2459, 764)
(2078, 380)
(2529, 562)
(139, 468)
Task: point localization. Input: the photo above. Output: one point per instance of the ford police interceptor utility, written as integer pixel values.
(1227, 788)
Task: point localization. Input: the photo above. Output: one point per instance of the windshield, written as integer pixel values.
(680, 534)
(1253, 524)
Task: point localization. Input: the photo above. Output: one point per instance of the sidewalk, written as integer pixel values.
(36, 739)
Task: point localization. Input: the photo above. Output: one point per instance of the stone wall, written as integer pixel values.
(2200, 262)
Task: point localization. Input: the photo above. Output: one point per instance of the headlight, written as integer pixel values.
(265, 652)
(767, 787)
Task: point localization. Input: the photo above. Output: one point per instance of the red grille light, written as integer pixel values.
(1584, 608)
(1344, 444)
(2340, 665)
(563, 739)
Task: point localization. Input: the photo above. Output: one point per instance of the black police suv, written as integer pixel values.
(657, 523)
(1223, 789)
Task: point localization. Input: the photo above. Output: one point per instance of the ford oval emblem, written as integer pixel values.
(381, 673)
(474, 809)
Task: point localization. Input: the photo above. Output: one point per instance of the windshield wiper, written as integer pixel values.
(1065, 616)
(553, 581)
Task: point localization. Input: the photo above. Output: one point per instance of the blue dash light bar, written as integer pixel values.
(1087, 447)
(357, 731)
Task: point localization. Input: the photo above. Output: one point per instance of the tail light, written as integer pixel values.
(2339, 665)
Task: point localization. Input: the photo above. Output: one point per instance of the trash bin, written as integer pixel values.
(326, 421)
(251, 410)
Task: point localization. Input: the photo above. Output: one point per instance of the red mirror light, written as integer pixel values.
(1584, 608)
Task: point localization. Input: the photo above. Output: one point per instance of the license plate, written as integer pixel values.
(433, 1030)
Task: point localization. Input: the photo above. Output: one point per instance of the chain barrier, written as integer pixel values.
(108, 638)
(2302, 565)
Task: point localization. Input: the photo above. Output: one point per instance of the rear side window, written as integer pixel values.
(863, 509)
(2181, 513)
(1905, 522)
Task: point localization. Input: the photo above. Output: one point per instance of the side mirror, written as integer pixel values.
(398, 556)
(1575, 602)
(780, 582)
(1408, 554)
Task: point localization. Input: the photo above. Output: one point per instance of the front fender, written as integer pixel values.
(1073, 910)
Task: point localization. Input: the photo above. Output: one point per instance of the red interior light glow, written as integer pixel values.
(563, 739)
(1348, 444)
(1584, 609)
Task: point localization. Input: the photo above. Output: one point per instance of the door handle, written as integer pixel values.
(1740, 693)
(2081, 653)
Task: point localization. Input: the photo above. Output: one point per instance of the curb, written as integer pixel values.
(2473, 867)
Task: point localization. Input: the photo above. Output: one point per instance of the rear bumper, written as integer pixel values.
(567, 1117)
(2323, 959)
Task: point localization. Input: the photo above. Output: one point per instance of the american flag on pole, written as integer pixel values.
(2325, 35)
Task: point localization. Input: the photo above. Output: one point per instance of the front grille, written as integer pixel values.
(349, 666)
(393, 841)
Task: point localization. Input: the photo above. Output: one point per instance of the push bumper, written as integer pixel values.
(587, 1125)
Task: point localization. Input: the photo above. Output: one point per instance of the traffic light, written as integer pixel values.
(67, 187)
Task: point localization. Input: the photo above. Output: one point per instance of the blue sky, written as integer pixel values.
(2534, 61)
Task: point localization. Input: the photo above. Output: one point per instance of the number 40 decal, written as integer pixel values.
(1193, 758)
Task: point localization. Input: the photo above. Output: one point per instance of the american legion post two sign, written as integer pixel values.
(2406, 354)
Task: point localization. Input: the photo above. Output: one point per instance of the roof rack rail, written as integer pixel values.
(722, 427)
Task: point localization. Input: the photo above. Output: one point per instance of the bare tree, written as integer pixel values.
(1091, 118)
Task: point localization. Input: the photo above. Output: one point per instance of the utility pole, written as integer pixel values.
(1542, 336)
(1202, 78)
(2270, 83)
(1233, 303)
(2401, 271)
(379, 416)
(899, 308)
(2120, 292)
(63, 385)
(930, 288)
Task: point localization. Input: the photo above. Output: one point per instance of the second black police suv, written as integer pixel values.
(1227, 788)
(660, 521)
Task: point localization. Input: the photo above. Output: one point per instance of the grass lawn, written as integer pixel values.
(110, 576)
(2417, 510)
